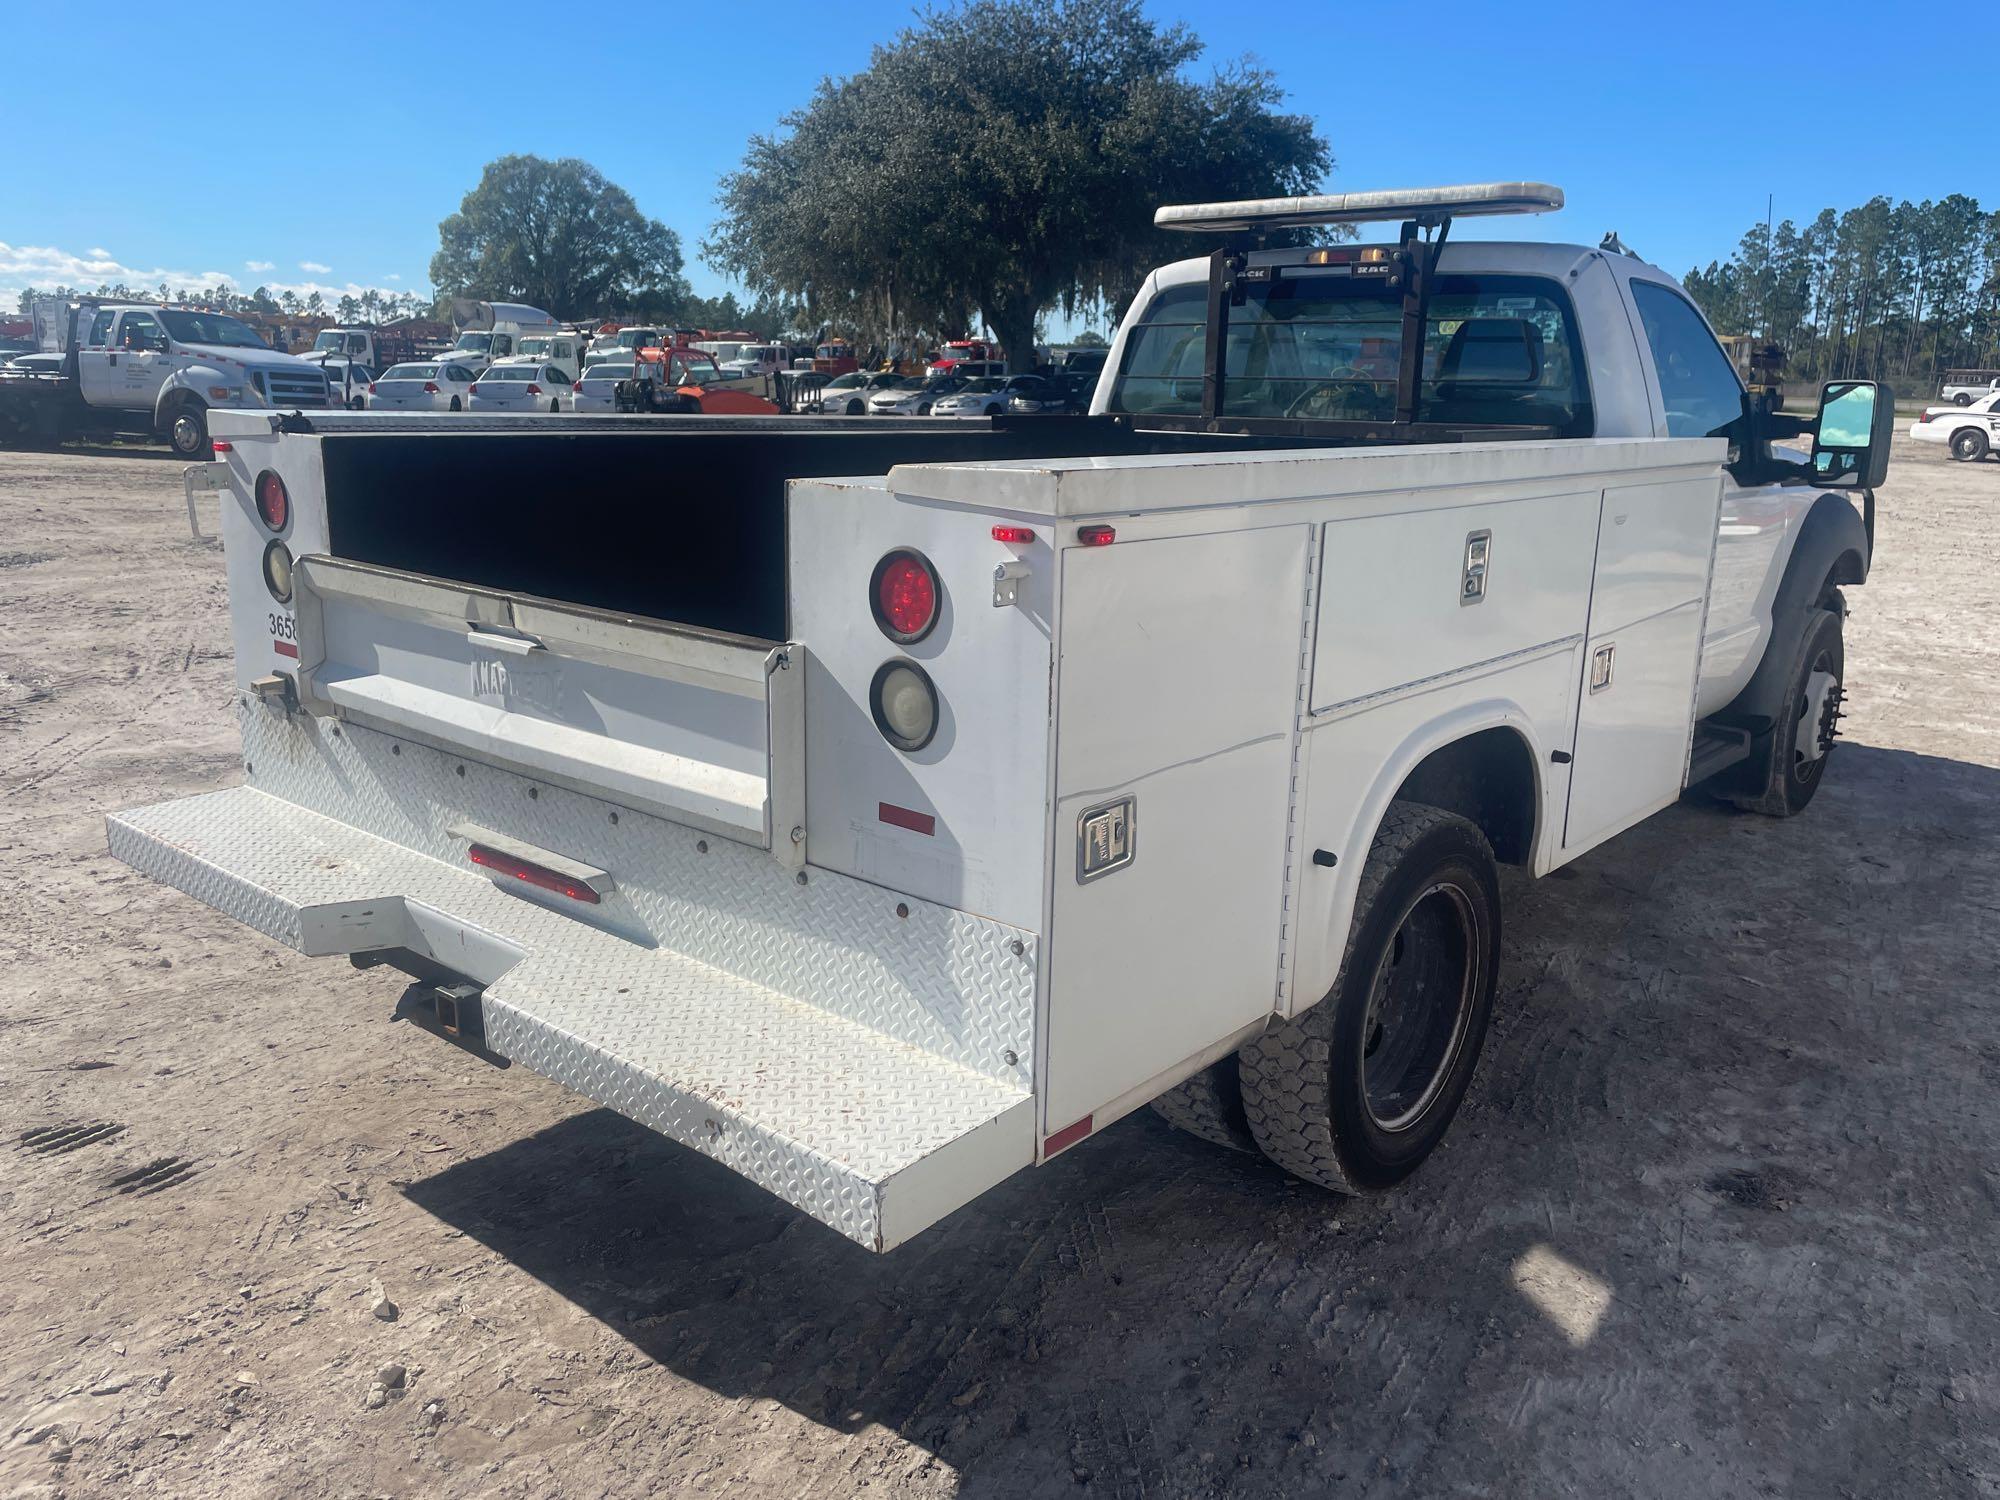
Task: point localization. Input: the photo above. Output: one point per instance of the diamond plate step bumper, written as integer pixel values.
(876, 1137)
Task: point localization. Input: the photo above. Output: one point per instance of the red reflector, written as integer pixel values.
(221, 447)
(533, 874)
(903, 817)
(905, 595)
(1096, 536)
(1068, 1136)
(274, 501)
(1014, 536)
(286, 648)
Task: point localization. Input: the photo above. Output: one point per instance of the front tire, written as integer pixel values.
(1354, 1094)
(1961, 399)
(1969, 446)
(187, 429)
(1792, 755)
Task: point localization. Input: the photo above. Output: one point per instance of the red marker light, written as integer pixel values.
(1014, 536)
(1096, 536)
(221, 447)
(540, 876)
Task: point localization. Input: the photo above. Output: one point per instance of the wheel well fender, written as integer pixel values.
(1831, 550)
(173, 396)
(1483, 760)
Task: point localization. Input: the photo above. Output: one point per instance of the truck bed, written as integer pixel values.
(679, 518)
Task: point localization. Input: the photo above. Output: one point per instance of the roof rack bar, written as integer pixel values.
(1425, 206)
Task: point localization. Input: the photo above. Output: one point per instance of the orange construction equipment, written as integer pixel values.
(683, 379)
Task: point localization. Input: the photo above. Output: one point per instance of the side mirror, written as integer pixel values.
(1851, 436)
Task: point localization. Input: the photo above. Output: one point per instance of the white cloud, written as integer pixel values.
(260, 265)
(46, 266)
(314, 267)
(393, 276)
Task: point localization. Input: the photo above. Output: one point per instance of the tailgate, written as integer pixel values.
(702, 728)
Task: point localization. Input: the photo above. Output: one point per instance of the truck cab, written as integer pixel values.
(490, 331)
(169, 367)
(563, 350)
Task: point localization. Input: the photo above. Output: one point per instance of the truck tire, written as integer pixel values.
(1209, 1105)
(187, 428)
(1961, 399)
(1355, 1093)
(1791, 757)
(1969, 445)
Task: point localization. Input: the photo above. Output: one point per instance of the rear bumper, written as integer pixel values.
(784, 1066)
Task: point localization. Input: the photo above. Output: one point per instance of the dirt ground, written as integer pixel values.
(1719, 1217)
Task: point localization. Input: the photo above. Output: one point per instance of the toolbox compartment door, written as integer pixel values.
(699, 727)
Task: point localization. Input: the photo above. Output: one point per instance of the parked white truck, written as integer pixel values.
(143, 368)
(880, 836)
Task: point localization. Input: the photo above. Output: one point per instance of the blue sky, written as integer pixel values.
(1650, 118)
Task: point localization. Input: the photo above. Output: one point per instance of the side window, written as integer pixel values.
(140, 331)
(100, 330)
(502, 345)
(357, 344)
(1697, 382)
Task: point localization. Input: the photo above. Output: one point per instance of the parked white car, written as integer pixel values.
(1971, 431)
(443, 386)
(347, 379)
(597, 390)
(525, 387)
(985, 397)
(847, 395)
(913, 396)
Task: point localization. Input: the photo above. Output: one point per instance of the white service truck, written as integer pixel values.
(489, 331)
(144, 368)
(907, 801)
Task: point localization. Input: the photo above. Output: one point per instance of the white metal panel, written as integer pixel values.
(1390, 610)
(983, 782)
(1632, 737)
(1655, 548)
(1177, 686)
(1137, 484)
(263, 630)
(1354, 761)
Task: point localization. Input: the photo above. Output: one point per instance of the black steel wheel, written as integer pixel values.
(1969, 445)
(1357, 1092)
(1792, 755)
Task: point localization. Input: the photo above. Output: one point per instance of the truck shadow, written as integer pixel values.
(1594, 1264)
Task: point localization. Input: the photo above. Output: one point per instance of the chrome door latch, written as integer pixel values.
(1478, 555)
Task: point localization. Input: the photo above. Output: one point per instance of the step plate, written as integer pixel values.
(875, 1137)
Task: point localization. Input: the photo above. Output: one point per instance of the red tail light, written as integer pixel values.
(371, 387)
(473, 389)
(1926, 416)
(904, 593)
(577, 387)
(533, 874)
(430, 387)
(274, 501)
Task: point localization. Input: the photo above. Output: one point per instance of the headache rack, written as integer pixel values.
(1409, 269)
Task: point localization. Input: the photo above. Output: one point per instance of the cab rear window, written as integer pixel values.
(1497, 350)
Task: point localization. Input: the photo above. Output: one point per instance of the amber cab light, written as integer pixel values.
(274, 501)
(904, 593)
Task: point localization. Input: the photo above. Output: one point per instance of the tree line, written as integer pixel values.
(371, 306)
(1896, 292)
